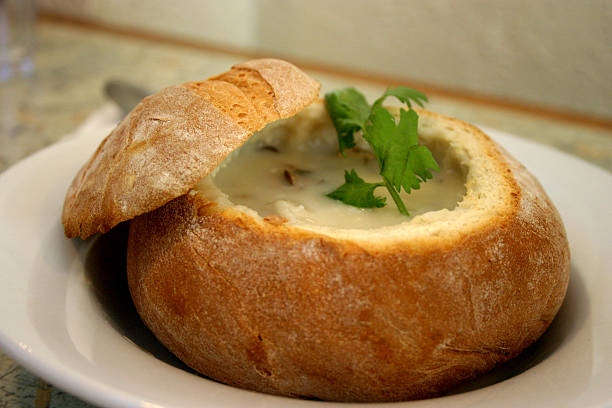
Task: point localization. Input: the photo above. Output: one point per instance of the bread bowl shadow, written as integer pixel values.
(105, 266)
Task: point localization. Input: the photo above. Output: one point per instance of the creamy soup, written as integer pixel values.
(290, 178)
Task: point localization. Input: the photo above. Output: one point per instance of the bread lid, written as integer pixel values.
(177, 136)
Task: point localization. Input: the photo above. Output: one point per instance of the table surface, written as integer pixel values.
(73, 63)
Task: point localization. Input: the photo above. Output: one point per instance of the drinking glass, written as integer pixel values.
(17, 18)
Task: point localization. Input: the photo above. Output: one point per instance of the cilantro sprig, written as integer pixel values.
(403, 163)
(358, 192)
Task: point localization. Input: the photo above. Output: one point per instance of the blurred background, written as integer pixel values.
(488, 62)
(540, 69)
(554, 53)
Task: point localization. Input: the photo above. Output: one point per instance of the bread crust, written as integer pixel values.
(177, 136)
(286, 310)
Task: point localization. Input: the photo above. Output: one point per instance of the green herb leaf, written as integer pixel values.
(349, 112)
(404, 95)
(357, 192)
(403, 163)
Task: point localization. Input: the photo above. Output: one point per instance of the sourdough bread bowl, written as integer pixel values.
(280, 304)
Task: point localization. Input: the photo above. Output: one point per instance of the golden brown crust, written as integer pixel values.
(256, 88)
(171, 140)
(276, 308)
(292, 89)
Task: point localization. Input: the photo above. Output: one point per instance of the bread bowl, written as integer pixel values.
(280, 304)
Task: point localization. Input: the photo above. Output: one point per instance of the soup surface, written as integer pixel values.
(291, 180)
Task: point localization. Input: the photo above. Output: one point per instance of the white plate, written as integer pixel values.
(66, 316)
